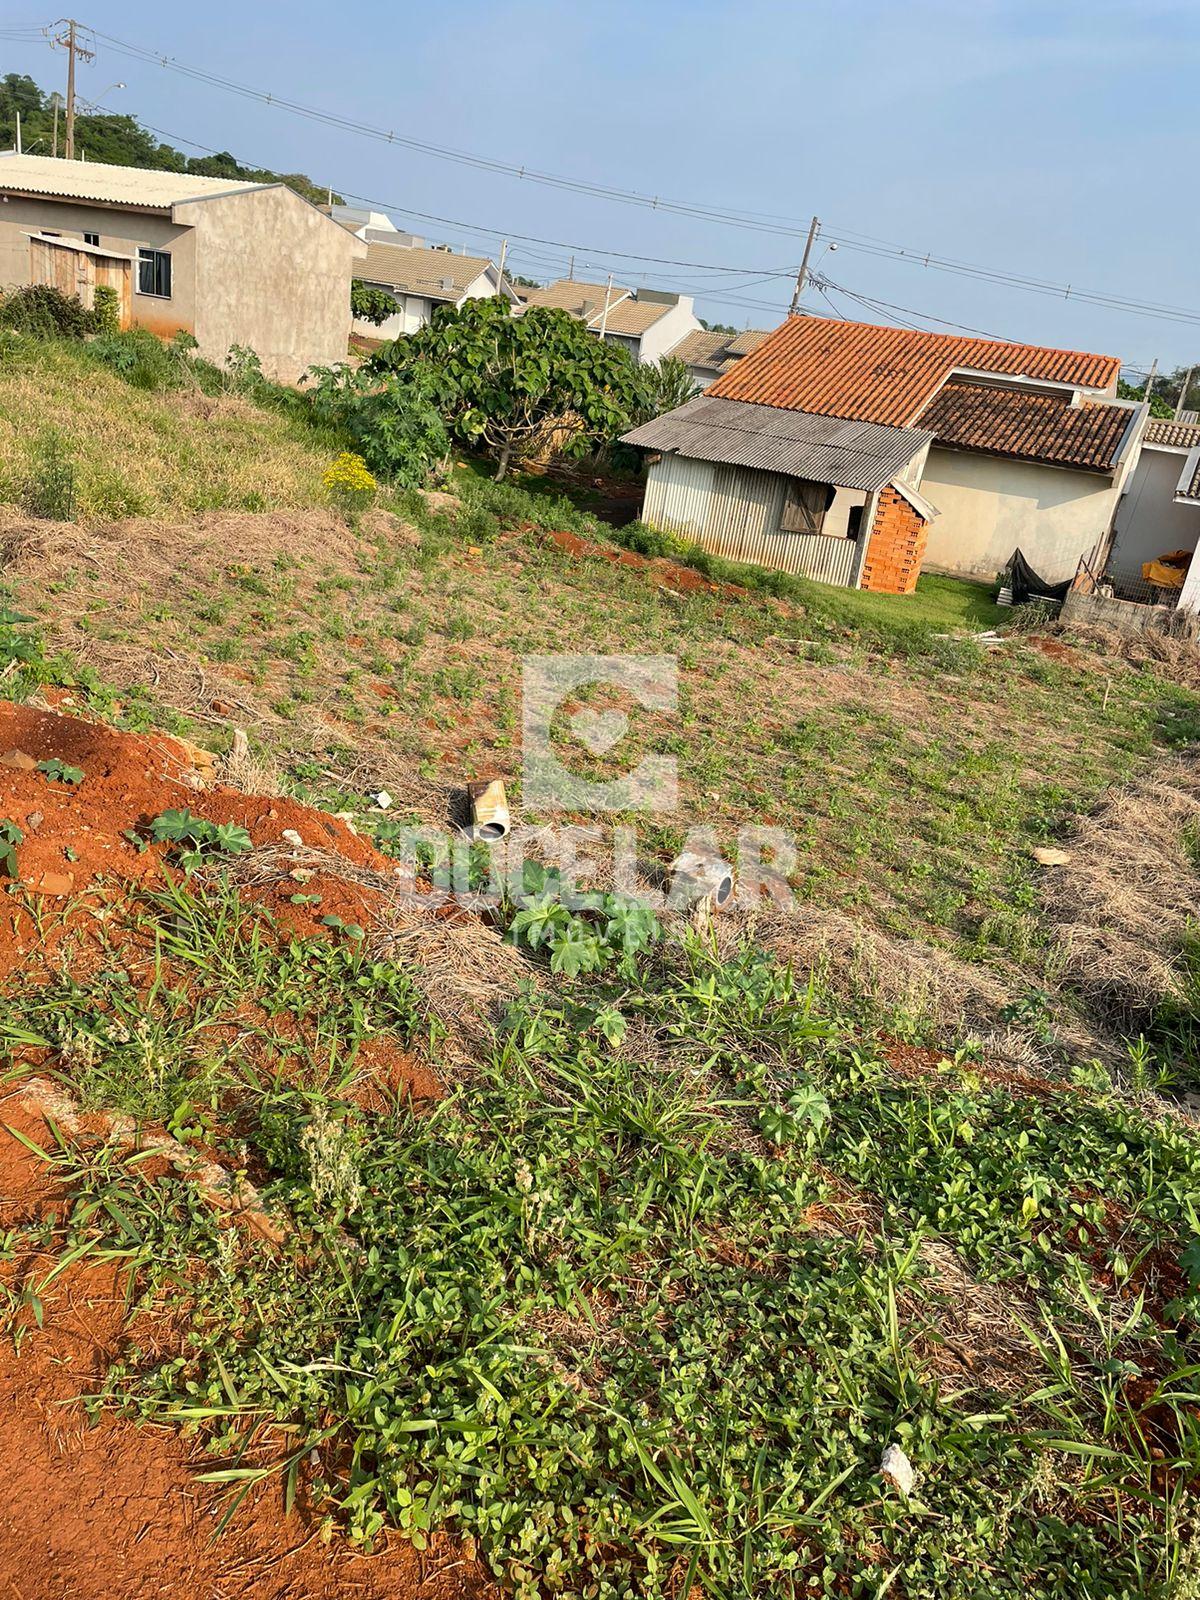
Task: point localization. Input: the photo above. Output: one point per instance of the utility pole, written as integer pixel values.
(500, 278)
(607, 298)
(70, 43)
(1181, 403)
(1150, 377)
(56, 98)
(571, 271)
(802, 275)
(18, 116)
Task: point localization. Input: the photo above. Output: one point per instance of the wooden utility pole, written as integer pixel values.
(1181, 403)
(69, 41)
(802, 275)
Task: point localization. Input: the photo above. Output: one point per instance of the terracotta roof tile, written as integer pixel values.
(875, 374)
(1036, 427)
(1176, 435)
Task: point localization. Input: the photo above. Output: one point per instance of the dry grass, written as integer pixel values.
(143, 453)
(1121, 906)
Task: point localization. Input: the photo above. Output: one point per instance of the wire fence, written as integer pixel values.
(1114, 582)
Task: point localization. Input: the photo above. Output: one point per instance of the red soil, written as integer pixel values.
(115, 1509)
(662, 573)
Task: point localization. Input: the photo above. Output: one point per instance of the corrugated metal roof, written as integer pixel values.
(97, 180)
(854, 455)
(1031, 427)
(434, 274)
(875, 374)
(1174, 435)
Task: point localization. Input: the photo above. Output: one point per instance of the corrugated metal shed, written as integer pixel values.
(855, 455)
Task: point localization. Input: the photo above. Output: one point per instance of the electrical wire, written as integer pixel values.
(847, 238)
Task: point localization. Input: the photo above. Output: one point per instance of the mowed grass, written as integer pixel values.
(148, 454)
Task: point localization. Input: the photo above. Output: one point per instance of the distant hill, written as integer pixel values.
(122, 141)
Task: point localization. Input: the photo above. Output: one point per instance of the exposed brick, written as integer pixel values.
(897, 545)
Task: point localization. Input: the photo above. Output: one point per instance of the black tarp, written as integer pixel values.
(1027, 585)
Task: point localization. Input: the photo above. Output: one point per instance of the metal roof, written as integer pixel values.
(97, 180)
(854, 455)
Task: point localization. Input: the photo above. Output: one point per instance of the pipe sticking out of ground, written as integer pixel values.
(489, 810)
(698, 877)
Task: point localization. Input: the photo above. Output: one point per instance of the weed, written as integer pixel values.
(197, 839)
(57, 771)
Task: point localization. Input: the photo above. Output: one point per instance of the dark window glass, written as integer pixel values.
(154, 273)
(92, 238)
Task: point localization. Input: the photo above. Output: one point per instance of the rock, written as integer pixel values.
(1048, 855)
(200, 760)
(33, 821)
(20, 759)
(58, 883)
(292, 838)
(300, 874)
(895, 1466)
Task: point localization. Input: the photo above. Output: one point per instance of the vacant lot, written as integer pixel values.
(622, 1283)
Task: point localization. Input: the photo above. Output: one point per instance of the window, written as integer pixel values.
(154, 272)
(804, 506)
(92, 238)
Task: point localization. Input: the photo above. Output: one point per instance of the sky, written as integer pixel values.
(1051, 141)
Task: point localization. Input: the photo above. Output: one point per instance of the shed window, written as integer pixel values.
(92, 238)
(154, 272)
(804, 506)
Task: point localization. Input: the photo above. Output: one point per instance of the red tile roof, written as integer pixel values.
(874, 374)
(1037, 427)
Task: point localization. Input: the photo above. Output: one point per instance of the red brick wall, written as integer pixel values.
(898, 537)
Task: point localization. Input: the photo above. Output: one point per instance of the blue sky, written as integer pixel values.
(1054, 141)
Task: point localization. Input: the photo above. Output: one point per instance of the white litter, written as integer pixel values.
(897, 1468)
(383, 799)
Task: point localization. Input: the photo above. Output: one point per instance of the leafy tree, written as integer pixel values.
(664, 386)
(717, 327)
(515, 385)
(1160, 406)
(371, 304)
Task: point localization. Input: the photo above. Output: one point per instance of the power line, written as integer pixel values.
(747, 221)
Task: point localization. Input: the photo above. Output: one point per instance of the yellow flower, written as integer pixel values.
(349, 477)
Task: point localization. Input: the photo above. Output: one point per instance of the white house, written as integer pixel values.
(1160, 510)
(708, 356)
(420, 277)
(649, 323)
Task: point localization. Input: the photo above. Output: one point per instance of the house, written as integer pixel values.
(1159, 514)
(1024, 446)
(708, 355)
(227, 261)
(649, 323)
(420, 277)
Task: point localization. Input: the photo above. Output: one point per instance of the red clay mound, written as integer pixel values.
(77, 837)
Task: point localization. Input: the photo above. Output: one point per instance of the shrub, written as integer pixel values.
(144, 360)
(106, 310)
(48, 489)
(349, 481)
(389, 418)
(45, 312)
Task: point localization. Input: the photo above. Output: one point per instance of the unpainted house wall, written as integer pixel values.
(1150, 522)
(120, 231)
(735, 513)
(272, 273)
(990, 507)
